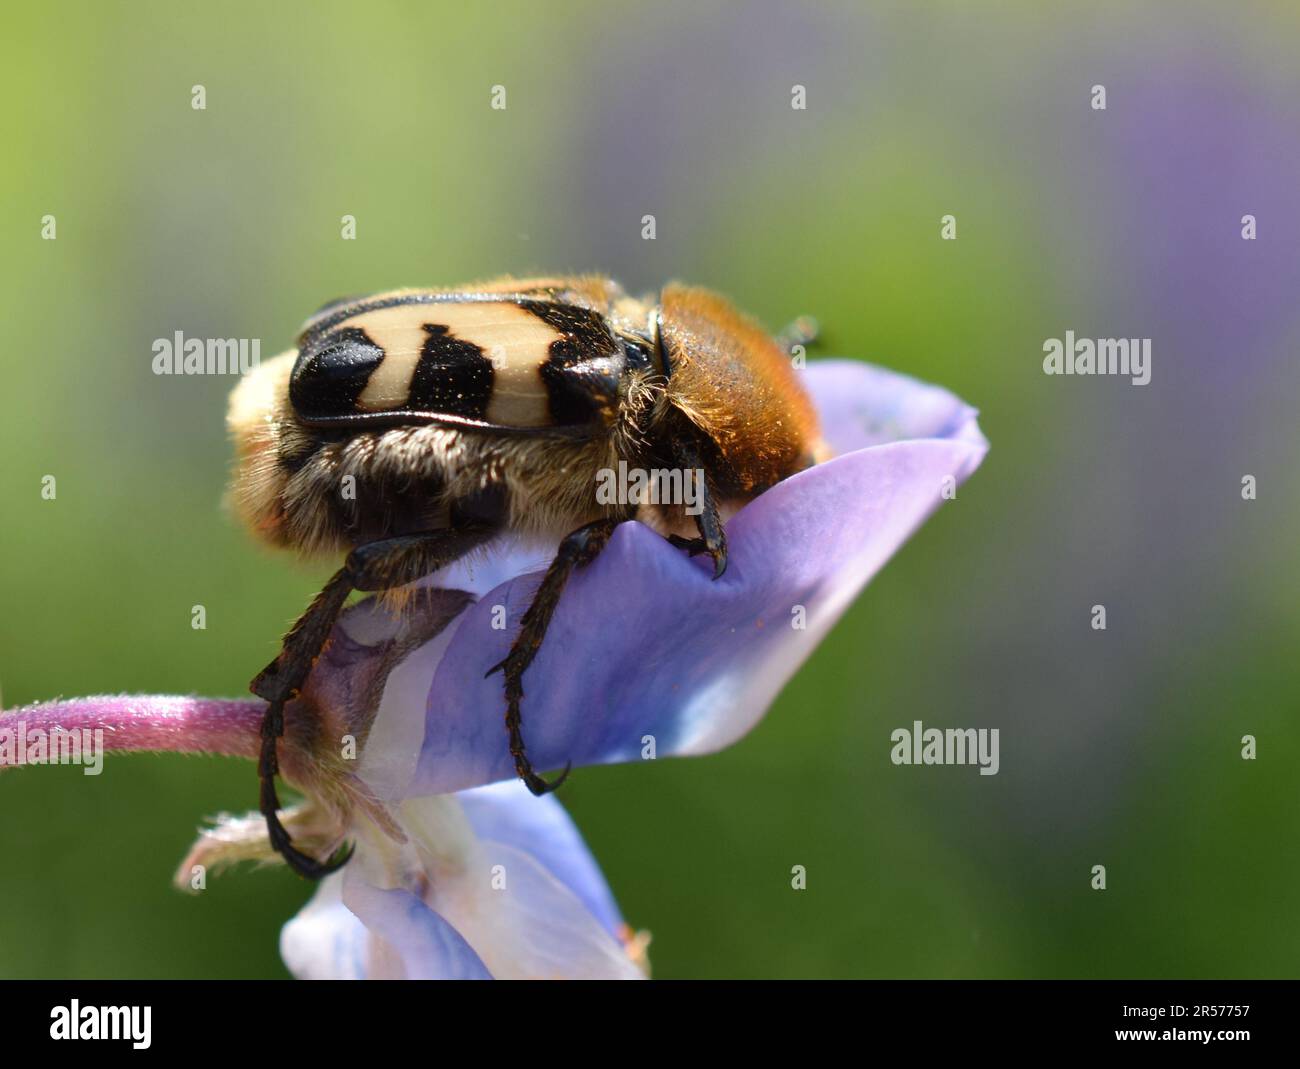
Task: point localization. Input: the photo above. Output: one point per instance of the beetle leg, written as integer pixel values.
(693, 546)
(803, 331)
(382, 565)
(712, 539)
(578, 548)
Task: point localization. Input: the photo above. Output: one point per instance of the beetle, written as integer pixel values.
(412, 428)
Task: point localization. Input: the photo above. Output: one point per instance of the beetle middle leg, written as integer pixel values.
(382, 565)
(578, 548)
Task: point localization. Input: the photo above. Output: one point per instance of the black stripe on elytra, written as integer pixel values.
(328, 378)
(452, 377)
(585, 367)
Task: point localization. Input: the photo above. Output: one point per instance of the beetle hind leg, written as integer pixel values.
(381, 565)
(279, 683)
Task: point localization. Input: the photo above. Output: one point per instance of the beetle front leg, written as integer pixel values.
(712, 539)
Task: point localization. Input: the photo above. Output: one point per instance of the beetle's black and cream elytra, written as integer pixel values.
(509, 362)
(411, 428)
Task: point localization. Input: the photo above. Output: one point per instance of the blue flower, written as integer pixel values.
(397, 742)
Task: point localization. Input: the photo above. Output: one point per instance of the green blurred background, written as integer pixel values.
(1119, 748)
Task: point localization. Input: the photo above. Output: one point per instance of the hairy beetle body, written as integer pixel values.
(505, 402)
(410, 428)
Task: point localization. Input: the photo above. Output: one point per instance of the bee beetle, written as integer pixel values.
(455, 415)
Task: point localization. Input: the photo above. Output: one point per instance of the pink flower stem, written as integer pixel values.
(153, 722)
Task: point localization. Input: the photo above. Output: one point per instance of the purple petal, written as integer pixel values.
(645, 645)
(451, 905)
(326, 940)
(508, 813)
(413, 936)
(861, 406)
(532, 928)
